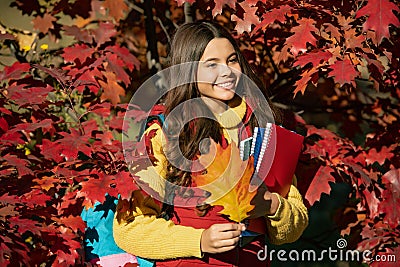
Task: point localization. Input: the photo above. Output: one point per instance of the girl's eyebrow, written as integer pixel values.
(216, 59)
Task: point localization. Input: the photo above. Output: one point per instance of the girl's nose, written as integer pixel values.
(224, 70)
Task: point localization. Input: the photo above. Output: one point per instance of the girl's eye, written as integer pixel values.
(211, 65)
(233, 60)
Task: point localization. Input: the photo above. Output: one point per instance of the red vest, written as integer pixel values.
(240, 256)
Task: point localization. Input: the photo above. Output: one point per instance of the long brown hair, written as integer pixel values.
(188, 45)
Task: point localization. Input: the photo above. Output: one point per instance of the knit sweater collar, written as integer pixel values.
(234, 115)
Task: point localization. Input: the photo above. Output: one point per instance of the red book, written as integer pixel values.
(276, 152)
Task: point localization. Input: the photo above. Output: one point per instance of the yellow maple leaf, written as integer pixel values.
(227, 179)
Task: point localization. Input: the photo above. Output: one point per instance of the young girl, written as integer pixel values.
(200, 236)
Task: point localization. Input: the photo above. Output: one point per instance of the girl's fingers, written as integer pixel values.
(229, 227)
(227, 243)
(226, 235)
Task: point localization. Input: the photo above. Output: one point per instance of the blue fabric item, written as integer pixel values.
(144, 263)
(99, 240)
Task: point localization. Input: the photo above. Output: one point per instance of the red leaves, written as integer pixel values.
(390, 204)
(19, 164)
(104, 33)
(125, 184)
(77, 52)
(95, 189)
(219, 4)
(380, 157)
(274, 15)
(116, 8)
(320, 184)
(303, 35)
(14, 71)
(111, 89)
(307, 76)
(249, 18)
(43, 24)
(380, 16)
(315, 58)
(344, 72)
(30, 95)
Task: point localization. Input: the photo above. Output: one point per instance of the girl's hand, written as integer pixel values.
(265, 203)
(221, 237)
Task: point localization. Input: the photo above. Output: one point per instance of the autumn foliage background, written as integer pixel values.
(332, 66)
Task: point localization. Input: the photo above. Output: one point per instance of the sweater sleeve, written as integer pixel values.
(290, 219)
(147, 235)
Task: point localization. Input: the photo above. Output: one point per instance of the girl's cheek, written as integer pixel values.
(209, 76)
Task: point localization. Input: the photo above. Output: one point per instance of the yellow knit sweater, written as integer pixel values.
(155, 238)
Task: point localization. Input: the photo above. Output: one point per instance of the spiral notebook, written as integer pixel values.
(276, 152)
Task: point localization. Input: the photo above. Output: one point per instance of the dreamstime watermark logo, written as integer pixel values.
(331, 254)
(184, 77)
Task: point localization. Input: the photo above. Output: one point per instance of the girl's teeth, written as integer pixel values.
(225, 84)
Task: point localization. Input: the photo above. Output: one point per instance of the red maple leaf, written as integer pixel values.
(249, 18)
(111, 89)
(302, 35)
(277, 14)
(25, 225)
(35, 197)
(14, 71)
(306, 77)
(116, 65)
(123, 53)
(372, 203)
(95, 189)
(219, 4)
(104, 33)
(125, 184)
(372, 238)
(46, 125)
(116, 8)
(50, 151)
(74, 222)
(380, 157)
(380, 16)
(344, 72)
(391, 198)
(78, 33)
(29, 95)
(333, 30)
(315, 58)
(78, 51)
(19, 164)
(72, 143)
(3, 124)
(352, 39)
(46, 182)
(86, 78)
(43, 24)
(320, 184)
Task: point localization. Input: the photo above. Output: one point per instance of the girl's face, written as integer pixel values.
(219, 70)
